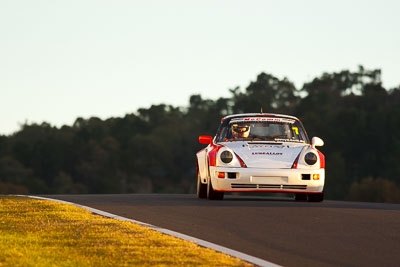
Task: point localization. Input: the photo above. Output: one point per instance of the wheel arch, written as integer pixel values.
(202, 165)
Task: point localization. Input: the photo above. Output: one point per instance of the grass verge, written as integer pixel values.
(45, 233)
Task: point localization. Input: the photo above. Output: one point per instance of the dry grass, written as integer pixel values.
(45, 233)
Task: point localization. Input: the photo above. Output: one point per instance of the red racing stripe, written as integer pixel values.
(212, 155)
(321, 160)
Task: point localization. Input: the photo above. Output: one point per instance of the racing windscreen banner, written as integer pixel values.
(262, 119)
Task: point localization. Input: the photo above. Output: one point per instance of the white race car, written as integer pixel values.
(259, 152)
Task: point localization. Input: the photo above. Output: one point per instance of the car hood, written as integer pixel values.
(267, 155)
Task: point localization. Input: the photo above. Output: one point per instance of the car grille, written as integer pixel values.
(269, 186)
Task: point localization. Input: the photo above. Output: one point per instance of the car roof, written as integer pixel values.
(258, 115)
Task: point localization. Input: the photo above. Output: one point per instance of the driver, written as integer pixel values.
(240, 130)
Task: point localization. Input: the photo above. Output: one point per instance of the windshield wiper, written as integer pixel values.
(275, 136)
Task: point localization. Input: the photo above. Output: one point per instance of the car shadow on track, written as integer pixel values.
(290, 202)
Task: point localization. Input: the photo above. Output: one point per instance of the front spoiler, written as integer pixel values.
(268, 180)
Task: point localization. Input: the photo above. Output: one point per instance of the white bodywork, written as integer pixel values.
(269, 166)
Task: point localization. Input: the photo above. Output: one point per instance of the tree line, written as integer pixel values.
(153, 149)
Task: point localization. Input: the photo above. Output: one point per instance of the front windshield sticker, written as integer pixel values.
(296, 130)
(262, 119)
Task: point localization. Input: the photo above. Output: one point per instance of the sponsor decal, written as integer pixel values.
(268, 153)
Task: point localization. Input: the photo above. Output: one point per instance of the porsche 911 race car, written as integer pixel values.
(259, 152)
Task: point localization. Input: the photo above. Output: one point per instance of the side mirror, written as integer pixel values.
(316, 141)
(204, 139)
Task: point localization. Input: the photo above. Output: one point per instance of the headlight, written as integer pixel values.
(310, 158)
(226, 157)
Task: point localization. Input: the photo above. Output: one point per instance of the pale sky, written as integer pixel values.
(60, 60)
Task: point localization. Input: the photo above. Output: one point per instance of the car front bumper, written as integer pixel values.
(267, 180)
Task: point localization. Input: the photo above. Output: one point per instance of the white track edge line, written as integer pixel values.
(200, 242)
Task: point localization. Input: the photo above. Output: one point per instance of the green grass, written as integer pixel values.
(46, 233)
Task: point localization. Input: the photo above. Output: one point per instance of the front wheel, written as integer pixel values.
(201, 188)
(212, 194)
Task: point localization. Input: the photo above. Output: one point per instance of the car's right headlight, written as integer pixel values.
(226, 157)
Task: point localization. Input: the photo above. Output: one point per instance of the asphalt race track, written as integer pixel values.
(281, 231)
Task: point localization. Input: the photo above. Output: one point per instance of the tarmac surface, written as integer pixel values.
(279, 230)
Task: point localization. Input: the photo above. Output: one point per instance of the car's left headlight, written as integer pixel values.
(310, 158)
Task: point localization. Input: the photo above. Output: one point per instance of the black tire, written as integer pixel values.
(212, 194)
(316, 197)
(201, 188)
(300, 197)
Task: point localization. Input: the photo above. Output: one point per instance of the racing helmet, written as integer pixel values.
(240, 130)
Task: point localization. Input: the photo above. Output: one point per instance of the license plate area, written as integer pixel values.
(269, 179)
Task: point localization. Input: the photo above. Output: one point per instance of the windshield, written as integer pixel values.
(262, 129)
